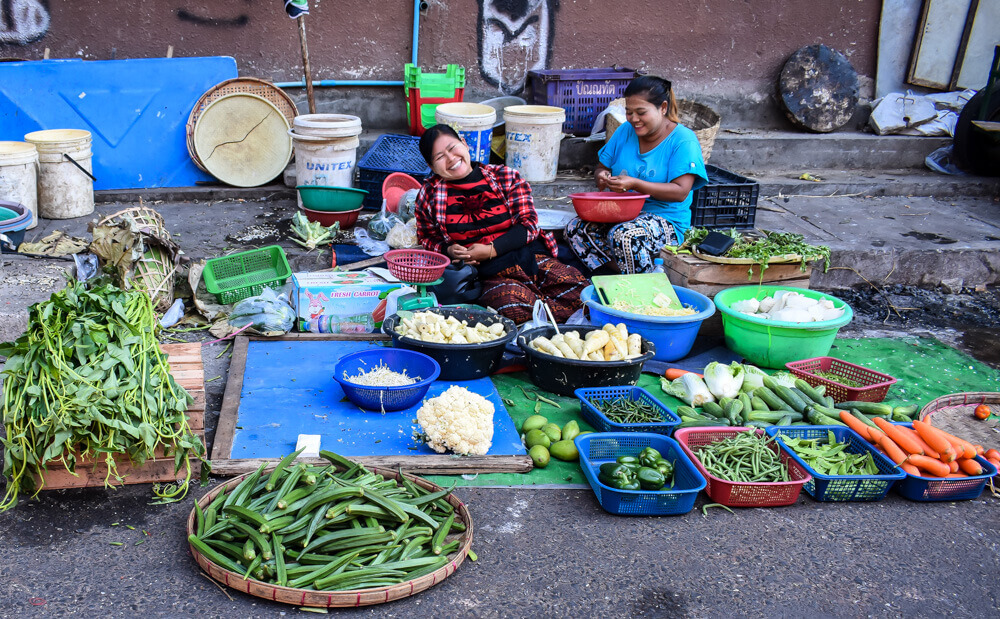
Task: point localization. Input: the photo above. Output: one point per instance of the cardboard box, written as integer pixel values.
(349, 302)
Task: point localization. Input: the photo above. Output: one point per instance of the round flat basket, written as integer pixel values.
(338, 599)
(237, 85)
(243, 140)
(785, 259)
(953, 414)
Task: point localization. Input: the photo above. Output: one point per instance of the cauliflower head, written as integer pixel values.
(458, 420)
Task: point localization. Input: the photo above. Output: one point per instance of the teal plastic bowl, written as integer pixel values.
(773, 343)
(331, 199)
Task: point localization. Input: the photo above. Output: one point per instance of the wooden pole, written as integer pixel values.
(305, 63)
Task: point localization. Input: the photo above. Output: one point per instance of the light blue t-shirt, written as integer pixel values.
(675, 156)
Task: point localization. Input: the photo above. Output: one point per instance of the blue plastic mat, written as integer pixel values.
(288, 389)
(136, 111)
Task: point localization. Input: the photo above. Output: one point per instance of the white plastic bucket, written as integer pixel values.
(64, 190)
(19, 176)
(534, 133)
(326, 149)
(474, 122)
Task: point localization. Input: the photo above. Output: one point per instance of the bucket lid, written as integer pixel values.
(331, 125)
(539, 113)
(464, 110)
(17, 152)
(47, 136)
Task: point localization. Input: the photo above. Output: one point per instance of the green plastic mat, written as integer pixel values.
(924, 368)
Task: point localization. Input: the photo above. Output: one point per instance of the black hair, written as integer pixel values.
(430, 136)
(656, 90)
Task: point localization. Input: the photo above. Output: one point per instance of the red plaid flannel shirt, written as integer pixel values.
(506, 182)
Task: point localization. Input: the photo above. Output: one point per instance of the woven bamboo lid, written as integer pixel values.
(242, 140)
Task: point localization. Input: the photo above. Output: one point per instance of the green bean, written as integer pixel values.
(744, 457)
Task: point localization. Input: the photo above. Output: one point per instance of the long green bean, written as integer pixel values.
(626, 410)
(745, 457)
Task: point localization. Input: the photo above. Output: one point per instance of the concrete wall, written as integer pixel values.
(727, 53)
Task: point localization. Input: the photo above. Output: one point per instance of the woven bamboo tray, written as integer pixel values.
(338, 599)
(953, 414)
(247, 85)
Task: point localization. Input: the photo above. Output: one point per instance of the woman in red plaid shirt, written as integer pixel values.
(484, 215)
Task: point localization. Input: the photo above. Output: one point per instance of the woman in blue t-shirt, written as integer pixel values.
(652, 154)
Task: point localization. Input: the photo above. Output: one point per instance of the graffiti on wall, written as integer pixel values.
(22, 21)
(514, 36)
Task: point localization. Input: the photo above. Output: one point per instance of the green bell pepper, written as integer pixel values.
(665, 468)
(649, 457)
(650, 478)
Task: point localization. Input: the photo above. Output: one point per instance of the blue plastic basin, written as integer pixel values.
(673, 335)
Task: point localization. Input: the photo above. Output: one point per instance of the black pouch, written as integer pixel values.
(460, 285)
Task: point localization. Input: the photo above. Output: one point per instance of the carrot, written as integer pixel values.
(960, 444)
(930, 465)
(675, 373)
(928, 451)
(953, 466)
(979, 450)
(905, 443)
(995, 463)
(855, 424)
(955, 475)
(909, 468)
(936, 439)
(892, 450)
(992, 454)
(970, 466)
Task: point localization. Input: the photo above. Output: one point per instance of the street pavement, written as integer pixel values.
(555, 552)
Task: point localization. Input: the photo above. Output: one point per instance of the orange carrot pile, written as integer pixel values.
(924, 451)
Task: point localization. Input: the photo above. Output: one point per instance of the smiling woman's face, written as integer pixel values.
(450, 158)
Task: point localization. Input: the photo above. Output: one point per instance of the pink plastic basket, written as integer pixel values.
(416, 266)
(736, 493)
(876, 384)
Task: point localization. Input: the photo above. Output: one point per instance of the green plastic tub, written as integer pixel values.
(773, 343)
(331, 199)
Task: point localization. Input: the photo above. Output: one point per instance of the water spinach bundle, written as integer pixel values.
(87, 379)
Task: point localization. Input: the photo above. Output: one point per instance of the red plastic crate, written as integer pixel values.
(876, 384)
(738, 493)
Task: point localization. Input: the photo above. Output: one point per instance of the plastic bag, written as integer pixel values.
(408, 204)
(402, 235)
(268, 313)
(896, 111)
(599, 131)
(369, 245)
(380, 225)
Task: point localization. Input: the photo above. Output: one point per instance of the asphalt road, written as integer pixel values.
(552, 553)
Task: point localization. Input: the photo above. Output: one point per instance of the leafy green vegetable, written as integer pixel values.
(761, 250)
(88, 379)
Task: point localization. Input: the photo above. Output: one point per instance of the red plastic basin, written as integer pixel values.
(608, 207)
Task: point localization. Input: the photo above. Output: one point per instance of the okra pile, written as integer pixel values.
(327, 528)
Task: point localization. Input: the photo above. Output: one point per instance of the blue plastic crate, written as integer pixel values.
(842, 487)
(390, 153)
(958, 489)
(598, 449)
(602, 424)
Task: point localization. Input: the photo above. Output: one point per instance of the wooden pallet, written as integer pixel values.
(444, 464)
(187, 369)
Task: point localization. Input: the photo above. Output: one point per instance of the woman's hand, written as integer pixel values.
(473, 254)
(622, 182)
(602, 176)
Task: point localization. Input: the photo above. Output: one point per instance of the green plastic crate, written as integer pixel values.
(246, 274)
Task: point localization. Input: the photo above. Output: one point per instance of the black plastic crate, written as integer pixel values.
(727, 201)
(390, 153)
